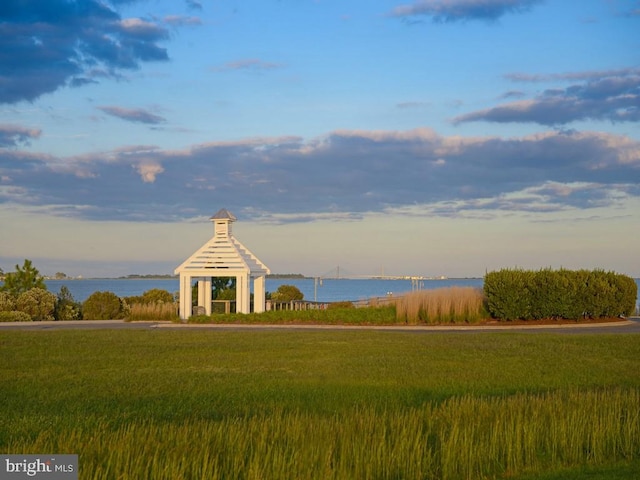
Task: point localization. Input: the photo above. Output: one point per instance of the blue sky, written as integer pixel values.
(430, 137)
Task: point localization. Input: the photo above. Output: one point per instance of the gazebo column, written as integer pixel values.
(243, 298)
(185, 296)
(204, 294)
(259, 294)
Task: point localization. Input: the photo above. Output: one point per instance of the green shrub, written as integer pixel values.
(596, 291)
(15, 317)
(607, 294)
(553, 294)
(67, 312)
(287, 293)
(508, 294)
(66, 307)
(627, 295)
(7, 302)
(103, 306)
(155, 295)
(571, 282)
(38, 303)
(622, 297)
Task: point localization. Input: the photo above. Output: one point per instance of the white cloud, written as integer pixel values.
(148, 171)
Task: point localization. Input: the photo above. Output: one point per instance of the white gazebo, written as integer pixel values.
(222, 256)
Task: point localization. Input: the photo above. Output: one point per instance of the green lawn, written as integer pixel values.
(323, 404)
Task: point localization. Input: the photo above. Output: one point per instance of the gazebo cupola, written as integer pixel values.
(222, 256)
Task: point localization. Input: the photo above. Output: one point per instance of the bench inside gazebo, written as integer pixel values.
(222, 256)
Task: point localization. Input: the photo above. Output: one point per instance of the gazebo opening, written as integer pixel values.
(222, 256)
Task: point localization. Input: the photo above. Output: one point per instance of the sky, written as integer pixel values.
(404, 137)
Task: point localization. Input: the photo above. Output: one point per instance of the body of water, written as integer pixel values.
(326, 290)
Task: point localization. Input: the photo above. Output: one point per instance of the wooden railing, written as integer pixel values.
(229, 306)
(309, 305)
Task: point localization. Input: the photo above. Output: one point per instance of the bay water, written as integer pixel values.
(321, 290)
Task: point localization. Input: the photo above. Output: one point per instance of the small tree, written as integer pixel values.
(226, 294)
(287, 293)
(218, 285)
(103, 306)
(37, 303)
(222, 284)
(66, 306)
(23, 279)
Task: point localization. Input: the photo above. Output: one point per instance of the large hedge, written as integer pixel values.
(514, 294)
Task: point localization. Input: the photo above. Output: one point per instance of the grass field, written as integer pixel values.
(324, 404)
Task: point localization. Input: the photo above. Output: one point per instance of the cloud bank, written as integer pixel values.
(345, 174)
(604, 96)
(47, 45)
(13, 135)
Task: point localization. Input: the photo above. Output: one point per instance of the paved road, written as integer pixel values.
(631, 325)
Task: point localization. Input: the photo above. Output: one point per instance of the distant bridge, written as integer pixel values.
(340, 273)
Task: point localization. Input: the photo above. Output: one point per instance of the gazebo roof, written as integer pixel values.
(223, 255)
(222, 214)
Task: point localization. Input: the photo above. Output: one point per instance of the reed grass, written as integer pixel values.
(163, 311)
(442, 305)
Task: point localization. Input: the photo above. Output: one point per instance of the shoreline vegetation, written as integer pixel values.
(430, 306)
(506, 295)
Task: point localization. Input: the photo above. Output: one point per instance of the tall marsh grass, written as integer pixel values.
(442, 305)
(153, 311)
(463, 437)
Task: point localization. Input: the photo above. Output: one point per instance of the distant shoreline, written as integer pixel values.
(162, 277)
(276, 276)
